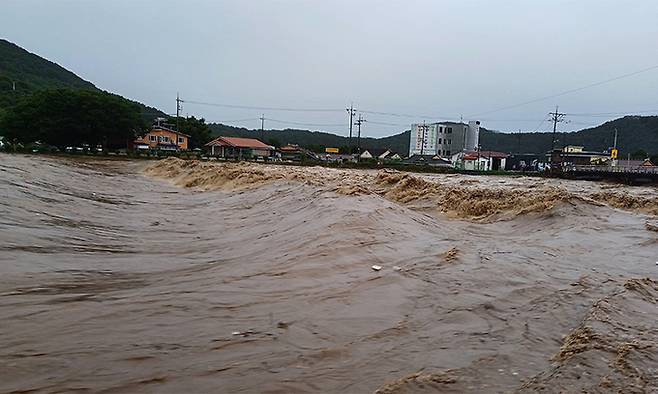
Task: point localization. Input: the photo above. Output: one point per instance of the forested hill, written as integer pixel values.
(634, 134)
(31, 73)
(315, 140)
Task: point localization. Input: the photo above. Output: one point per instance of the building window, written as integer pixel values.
(448, 153)
(439, 140)
(159, 138)
(153, 138)
(181, 140)
(449, 142)
(449, 130)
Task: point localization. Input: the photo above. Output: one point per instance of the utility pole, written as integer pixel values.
(615, 143)
(262, 127)
(479, 146)
(422, 144)
(465, 131)
(358, 135)
(178, 108)
(614, 152)
(351, 111)
(556, 117)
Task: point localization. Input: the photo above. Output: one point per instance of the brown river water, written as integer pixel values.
(189, 277)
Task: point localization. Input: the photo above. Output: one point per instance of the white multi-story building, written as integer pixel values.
(443, 139)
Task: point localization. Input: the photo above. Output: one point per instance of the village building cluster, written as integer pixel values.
(439, 145)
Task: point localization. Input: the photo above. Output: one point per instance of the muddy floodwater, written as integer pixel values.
(190, 277)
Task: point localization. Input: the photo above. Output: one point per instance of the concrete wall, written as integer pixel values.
(427, 134)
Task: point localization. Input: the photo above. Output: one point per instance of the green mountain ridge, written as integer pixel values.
(29, 73)
(23, 73)
(313, 139)
(634, 133)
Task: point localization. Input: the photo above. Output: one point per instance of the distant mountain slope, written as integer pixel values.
(28, 73)
(316, 140)
(31, 72)
(634, 133)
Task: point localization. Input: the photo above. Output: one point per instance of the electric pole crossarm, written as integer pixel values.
(556, 117)
(359, 122)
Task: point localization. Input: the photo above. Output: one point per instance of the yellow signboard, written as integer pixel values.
(614, 153)
(331, 150)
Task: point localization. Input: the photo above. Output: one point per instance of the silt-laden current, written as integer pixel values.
(188, 277)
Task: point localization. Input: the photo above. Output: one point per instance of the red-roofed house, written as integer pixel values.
(238, 148)
(485, 160)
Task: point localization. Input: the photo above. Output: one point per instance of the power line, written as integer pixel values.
(405, 115)
(541, 123)
(291, 109)
(569, 91)
(304, 124)
(401, 115)
(236, 120)
(583, 123)
(389, 124)
(509, 120)
(604, 114)
(263, 108)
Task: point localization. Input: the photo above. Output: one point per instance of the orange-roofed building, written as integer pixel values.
(162, 137)
(238, 148)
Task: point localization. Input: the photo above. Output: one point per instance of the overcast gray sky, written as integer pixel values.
(435, 59)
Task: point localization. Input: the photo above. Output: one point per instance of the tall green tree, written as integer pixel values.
(197, 129)
(63, 117)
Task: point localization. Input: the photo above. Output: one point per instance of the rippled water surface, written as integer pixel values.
(113, 280)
